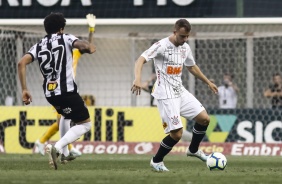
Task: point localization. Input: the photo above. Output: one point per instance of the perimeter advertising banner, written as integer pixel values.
(121, 129)
(20, 127)
(236, 149)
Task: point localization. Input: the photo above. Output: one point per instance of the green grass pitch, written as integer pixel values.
(134, 169)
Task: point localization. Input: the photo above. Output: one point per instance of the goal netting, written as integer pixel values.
(248, 48)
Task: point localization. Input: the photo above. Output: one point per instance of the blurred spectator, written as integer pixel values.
(227, 93)
(9, 101)
(275, 91)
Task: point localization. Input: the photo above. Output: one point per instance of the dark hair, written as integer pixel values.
(228, 74)
(182, 23)
(54, 22)
(275, 74)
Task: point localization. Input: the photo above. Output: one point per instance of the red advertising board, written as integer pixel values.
(236, 149)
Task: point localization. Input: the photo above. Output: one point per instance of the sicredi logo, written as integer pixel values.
(222, 122)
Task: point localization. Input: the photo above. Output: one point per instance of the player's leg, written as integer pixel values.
(186, 136)
(191, 108)
(70, 136)
(52, 130)
(66, 155)
(77, 112)
(170, 114)
(199, 131)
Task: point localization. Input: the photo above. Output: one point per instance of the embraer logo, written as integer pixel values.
(45, 3)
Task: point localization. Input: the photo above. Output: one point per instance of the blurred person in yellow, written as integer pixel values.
(88, 99)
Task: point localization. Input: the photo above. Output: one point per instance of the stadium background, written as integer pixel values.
(251, 52)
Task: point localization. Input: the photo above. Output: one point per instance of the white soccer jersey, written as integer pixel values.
(54, 56)
(168, 60)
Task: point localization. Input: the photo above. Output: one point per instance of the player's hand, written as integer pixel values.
(91, 20)
(26, 97)
(213, 87)
(136, 88)
(92, 48)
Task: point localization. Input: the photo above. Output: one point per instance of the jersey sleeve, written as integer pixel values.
(189, 61)
(152, 52)
(71, 39)
(32, 51)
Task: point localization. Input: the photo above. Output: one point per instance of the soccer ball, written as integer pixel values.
(216, 161)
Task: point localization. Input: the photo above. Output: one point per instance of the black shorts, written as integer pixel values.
(70, 105)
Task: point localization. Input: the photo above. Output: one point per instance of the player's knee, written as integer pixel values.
(204, 121)
(87, 126)
(176, 134)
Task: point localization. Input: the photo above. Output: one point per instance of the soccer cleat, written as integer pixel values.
(40, 147)
(199, 154)
(53, 155)
(159, 167)
(65, 159)
(75, 152)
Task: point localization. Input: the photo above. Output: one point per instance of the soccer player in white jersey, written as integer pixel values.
(173, 100)
(54, 56)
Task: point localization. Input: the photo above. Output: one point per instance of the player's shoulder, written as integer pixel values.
(160, 44)
(68, 35)
(186, 45)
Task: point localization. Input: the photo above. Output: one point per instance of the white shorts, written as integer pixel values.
(171, 109)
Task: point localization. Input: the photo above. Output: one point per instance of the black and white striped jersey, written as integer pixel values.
(55, 59)
(168, 61)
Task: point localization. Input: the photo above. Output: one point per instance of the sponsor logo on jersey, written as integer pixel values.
(177, 90)
(52, 85)
(173, 70)
(158, 76)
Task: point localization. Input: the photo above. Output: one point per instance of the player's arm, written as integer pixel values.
(84, 46)
(235, 87)
(269, 93)
(25, 60)
(195, 70)
(136, 87)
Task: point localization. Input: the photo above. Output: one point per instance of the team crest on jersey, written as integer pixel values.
(164, 125)
(67, 110)
(175, 120)
(52, 85)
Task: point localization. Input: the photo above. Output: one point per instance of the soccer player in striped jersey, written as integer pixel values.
(173, 100)
(54, 128)
(54, 56)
